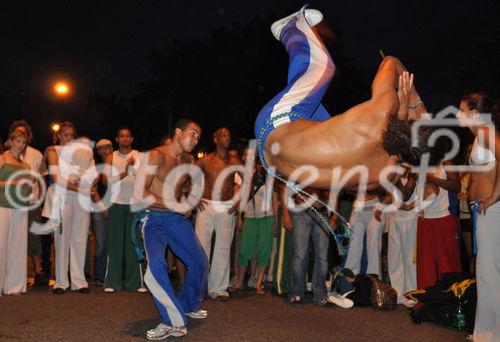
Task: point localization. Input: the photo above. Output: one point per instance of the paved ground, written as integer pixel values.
(41, 316)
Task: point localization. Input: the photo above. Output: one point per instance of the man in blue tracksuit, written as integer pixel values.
(167, 224)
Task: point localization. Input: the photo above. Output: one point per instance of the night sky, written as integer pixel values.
(102, 47)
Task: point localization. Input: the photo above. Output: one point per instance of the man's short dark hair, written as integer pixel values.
(397, 141)
(121, 128)
(182, 124)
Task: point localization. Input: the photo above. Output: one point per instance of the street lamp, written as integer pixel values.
(61, 88)
(55, 127)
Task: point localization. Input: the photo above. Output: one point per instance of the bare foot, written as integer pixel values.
(260, 290)
(235, 288)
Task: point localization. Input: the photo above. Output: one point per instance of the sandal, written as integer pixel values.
(260, 290)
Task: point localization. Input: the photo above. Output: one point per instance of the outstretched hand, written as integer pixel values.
(405, 87)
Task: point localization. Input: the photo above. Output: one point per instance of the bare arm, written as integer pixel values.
(108, 165)
(451, 183)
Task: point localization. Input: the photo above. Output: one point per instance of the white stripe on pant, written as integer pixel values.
(216, 218)
(400, 251)
(13, 250)
(71, 244)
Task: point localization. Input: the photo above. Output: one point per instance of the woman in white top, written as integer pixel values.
(484, 188)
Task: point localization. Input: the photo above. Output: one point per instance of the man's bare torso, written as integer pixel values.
(212, 165)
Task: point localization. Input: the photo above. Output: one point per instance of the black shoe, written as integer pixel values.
(221, 298)
(295, 301)
(324, 303)
(84, 290)
(58, 291)
(98, 283)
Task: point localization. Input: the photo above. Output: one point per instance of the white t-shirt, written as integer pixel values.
(437, 206)
(261, 203)
(121, 191)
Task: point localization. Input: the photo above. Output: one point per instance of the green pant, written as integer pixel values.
(123, 268)
(254, 229)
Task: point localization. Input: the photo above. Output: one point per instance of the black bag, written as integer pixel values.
(370, 290)
(362, 291)
(438, 303)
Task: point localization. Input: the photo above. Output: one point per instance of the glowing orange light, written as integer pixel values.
(200, 155)
(61, 88)
(55, 127)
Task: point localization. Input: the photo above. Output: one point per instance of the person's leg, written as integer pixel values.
(374, 231)
(101, 249)
(156, 236)
(447, 249)
(487, 324)
(78, 244)
(265, 238)
(427, 273)
(248, 237)
(219, 272)
(301, 233)
(408, 240)
(16, 272)
(62, 237)
(205, 227)
(34, 244)
(359, 220)
(183, 242)
(310, 70)
(114, 272)
(320, 241)
(395, 255)
(131, 274)
(5, 219)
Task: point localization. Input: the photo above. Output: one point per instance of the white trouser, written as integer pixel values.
(13, 250)
(487, 326)
(363, 221)
(71, 243)
(400, 251)
(215, 218)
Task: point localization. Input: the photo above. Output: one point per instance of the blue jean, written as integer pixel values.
(100, 223)
(305, 227)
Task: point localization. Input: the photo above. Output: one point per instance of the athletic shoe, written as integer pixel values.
(340, 300)
(142, 290)
(200, 314)
(252, 282)
(295, 301)
(163, 331)
(409, 303)
(313, 18)
(109, 290)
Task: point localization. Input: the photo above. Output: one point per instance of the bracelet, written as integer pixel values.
(416, 104)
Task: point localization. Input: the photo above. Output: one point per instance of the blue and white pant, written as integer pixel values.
(170, 229)
(310, 70)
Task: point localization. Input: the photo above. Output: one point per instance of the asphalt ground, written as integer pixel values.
(40, 315)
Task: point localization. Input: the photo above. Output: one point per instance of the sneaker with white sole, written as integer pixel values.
(163, 331)
(313, 18)
(340, 300)
(200, 314)
(109, 290)
(142, 290)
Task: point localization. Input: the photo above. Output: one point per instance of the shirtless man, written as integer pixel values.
(216, 213)
(166, 226)
(294, 129)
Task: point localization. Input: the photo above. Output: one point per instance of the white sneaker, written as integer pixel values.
(109, 290)
(200, 314)
(141, 290)
(341, 301)
(313, 18)
(46, 228)
(163, 331)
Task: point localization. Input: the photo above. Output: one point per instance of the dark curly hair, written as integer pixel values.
(397, 141)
